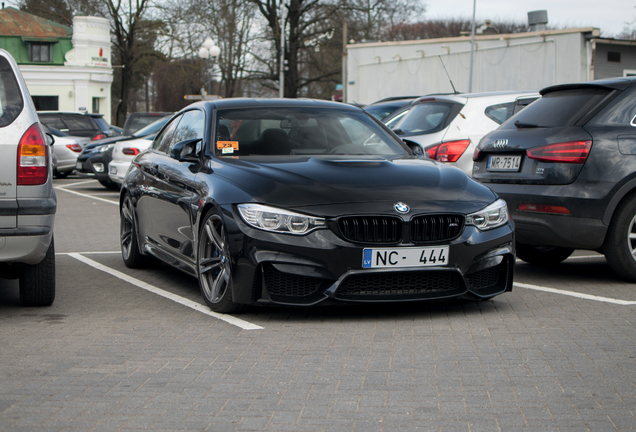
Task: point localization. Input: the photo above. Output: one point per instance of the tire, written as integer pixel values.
(620, 243)
(214, 265)
(61, 175)
(37, 281)
(128, 238)
(542, 255)
(109, 184)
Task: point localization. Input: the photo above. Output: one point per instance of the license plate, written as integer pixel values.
(113, 170)
(503, 163)
(78, 165)
(405, 257)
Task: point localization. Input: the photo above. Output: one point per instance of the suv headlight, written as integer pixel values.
(493, 216)
(278, 220)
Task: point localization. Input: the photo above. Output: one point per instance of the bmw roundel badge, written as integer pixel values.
(400, 207)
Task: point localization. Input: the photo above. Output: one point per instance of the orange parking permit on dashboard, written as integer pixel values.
(227, 147)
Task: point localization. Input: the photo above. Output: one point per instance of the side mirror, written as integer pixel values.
(185, 151)
(416, 148)
(50, 139)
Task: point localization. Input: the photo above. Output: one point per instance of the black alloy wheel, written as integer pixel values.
(128, 237)
(214, 265)
(620, 242)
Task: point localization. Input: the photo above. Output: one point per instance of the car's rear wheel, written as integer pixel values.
(61, 174)
(128, 238)
(214, 265)
(37, 281)
(109, 184)
(542, 255)
(620, 243)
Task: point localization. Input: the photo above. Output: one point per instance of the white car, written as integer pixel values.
(123, 154)
(449, 127)
(66, 150)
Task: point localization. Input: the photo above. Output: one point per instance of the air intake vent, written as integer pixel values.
(371, 229)
(433, 228)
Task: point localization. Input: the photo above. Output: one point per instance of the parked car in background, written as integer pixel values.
(449, 127)
(96, 156)
(385, 107)
(27, 200)
(80, 124)
(66, 150)
(122, 155)
(301, 202)
(566, 165)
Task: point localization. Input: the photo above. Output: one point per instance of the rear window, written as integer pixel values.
(78, 122)
(426, 118)
(560, 108)
(11, 102)
(137, 123)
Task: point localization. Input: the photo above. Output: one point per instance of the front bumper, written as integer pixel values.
(94, 166)
(322, 268)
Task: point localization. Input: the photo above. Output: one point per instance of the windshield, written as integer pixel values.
(152, 128)
(301, 131)
(558, 108)
(425, 118)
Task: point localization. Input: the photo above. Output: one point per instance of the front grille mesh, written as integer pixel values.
(398, 284)
(290, 285)
(431, 228)
(371, 229)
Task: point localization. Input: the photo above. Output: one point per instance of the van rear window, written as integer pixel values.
(11, 102)
(560, 108)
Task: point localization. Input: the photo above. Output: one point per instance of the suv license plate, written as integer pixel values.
(405, 257)
(503, 163)
(78, 165)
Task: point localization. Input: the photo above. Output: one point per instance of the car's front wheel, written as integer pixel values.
(214, 265)
(620, 242)
(542, 255)
(37, 281)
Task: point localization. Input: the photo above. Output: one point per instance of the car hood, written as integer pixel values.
(299, 182)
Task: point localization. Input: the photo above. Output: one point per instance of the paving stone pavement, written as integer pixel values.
(109, 356)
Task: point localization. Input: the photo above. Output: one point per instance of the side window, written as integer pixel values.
(191, 126)
(11, 102)
(500, 113)
(162, 141)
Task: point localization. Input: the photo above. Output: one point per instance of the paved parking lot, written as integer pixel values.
(136, 350)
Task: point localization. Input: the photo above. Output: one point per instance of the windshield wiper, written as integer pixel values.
(520, 125)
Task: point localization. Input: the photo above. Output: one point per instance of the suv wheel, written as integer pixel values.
(620, 243)
(542, 255)
(37, 281)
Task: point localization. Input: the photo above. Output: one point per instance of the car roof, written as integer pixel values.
(619, 83)
(72, 112)
(464, 97)
(230, 103)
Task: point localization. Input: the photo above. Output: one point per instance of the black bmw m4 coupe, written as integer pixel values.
(301, 202)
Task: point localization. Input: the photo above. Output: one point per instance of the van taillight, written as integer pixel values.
(448, 151)
(565, 152)
(33, 158)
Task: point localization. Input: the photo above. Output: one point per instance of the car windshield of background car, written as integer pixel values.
(11, 102)
(301, 131)
(152, 128)
(559, 108)
(426, 118)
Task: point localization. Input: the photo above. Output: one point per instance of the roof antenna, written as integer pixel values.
(449, 78)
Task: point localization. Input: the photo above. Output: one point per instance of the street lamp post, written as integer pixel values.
(209, 52)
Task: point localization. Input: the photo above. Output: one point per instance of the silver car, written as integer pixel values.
(449, 127)
(27, 200)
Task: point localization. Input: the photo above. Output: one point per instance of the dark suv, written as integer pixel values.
(79, 124)
(566, 165)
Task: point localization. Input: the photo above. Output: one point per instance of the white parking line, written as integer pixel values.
(79, 183)
(178, 299)
(85, 195)
(575, 294)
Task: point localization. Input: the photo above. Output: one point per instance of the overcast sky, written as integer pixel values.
(611, 16)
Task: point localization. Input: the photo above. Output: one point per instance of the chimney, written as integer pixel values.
(537, 20)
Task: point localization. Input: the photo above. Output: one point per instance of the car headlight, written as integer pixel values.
(103, 148)
(493, 216)
(278, 220)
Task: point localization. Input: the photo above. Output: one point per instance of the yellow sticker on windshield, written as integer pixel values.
(227, 146)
